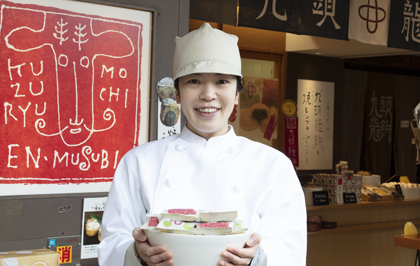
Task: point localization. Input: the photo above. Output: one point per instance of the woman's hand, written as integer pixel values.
(241, 256)
(153, 256)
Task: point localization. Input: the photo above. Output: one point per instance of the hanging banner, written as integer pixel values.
(291, 133)
(404, 31)
(268, 15)
(324, 18)
(369, 21)
(316, 124)
(377, 146)
(74, 88)
(220, 11)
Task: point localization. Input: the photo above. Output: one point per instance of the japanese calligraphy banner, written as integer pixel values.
(324, 18)
(220, 11)
(269, 15)
(316, 124)
(73, 86)
(377, 143)
(292, 139)
(404, 31)
(369, 21)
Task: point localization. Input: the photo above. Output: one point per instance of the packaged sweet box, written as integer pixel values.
(34, 257)
(336, 185)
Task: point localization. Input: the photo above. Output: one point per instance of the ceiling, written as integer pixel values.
(338, 48)
(357, 55)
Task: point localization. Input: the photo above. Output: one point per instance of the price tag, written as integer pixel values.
(320, 198)
(350, 197)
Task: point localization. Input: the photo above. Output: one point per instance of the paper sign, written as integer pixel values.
(93, 209)
(316, 124)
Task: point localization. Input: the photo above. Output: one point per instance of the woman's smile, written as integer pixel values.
(207, 110)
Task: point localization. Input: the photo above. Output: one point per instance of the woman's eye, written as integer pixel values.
(193, 81)
(222, 81)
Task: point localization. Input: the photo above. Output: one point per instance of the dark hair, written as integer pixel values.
(239, 85)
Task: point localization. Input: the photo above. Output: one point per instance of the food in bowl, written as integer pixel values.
(199, 237)
(190, 221)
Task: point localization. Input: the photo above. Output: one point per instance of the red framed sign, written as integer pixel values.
(74, 88)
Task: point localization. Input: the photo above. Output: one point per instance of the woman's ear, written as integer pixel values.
(237, 98)
(178, 97)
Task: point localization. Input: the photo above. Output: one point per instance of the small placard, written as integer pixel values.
(399, 190)
(320, 198)
(350, 197)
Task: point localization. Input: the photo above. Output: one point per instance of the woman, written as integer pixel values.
(206, 167)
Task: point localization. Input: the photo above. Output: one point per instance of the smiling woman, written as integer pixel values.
(206, 167)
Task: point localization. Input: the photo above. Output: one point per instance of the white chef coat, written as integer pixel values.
(220, 174)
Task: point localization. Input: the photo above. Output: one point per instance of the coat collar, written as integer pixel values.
(224, 140)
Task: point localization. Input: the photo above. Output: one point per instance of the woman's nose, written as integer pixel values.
(208, 92)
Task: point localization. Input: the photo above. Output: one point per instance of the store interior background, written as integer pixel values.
(26, 222)
(354, 68)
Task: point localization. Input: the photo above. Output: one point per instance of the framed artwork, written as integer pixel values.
(74, 80)
(255, 117)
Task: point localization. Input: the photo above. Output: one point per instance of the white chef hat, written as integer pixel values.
(207, 50)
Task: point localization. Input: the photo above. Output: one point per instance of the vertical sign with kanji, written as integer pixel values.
(72, 87)
(316, 124)
(291, 136)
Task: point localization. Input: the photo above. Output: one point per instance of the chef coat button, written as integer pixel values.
(236, 189)
(230, 150)
(168, 183)
(179, 147)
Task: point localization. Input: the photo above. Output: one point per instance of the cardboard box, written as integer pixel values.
(33, 257)
(336, 185)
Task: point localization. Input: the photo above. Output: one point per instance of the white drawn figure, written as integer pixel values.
(60, 31)
(325, 8)
(277, 15)
(74, 69)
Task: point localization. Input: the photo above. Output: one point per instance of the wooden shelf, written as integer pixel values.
(358, 227)
(361, 205)
(409, 241)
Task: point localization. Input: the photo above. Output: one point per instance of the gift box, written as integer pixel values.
(336, 185)
(35, 257)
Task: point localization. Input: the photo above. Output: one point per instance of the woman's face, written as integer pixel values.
(207, 100)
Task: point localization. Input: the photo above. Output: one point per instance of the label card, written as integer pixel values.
(320, 198)
(350, 197)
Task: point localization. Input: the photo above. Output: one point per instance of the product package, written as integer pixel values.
(336, 185)
(36, 257)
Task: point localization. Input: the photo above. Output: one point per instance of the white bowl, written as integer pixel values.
(194, 250)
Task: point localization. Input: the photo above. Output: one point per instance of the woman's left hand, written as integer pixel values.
(241, 256)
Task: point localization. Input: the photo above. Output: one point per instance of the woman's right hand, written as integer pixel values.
(153, 256)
